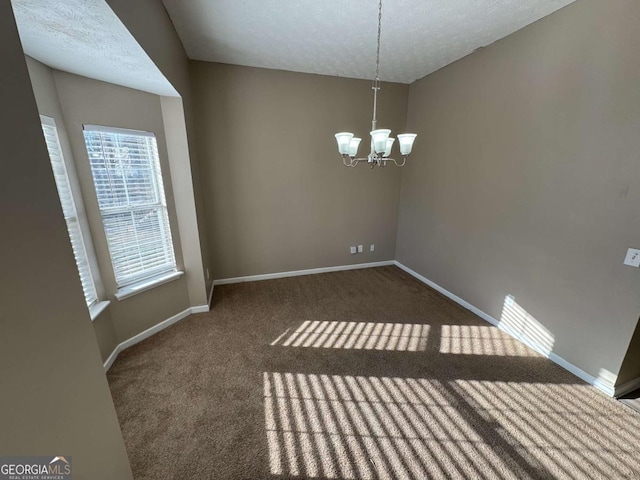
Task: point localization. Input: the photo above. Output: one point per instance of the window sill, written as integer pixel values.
(97, 309)
(147, 284)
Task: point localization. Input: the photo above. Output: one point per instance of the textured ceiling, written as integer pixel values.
(338, 37)
(85, 37)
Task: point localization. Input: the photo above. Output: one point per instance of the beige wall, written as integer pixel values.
(46, 96)
(149, 23)
(87, 101)
(186, 214)
(105, 334)
(55, 398)
(526, 181)
(276, 193)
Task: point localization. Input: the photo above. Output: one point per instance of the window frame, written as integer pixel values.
(144, 280)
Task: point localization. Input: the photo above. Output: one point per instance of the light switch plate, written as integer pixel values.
(353, 250)
(360, 248)
(633, 257)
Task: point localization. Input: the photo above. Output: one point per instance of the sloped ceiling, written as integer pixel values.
(338, 37)
(85, 37)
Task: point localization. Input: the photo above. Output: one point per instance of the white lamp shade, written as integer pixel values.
(343, 139)
(406, 142)
(379, 138)
(387, 150)
(353, 146)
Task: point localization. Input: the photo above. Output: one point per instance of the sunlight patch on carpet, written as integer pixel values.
(480, 340)
(562, 427)
(350, 427)
(405, 337)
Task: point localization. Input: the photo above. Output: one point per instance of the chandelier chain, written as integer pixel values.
(379, 31)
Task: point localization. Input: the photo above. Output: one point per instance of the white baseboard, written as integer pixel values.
(151, 331)
(112, 358)
(297, 273)
(627, 387)
(200, 309)
(599, 383)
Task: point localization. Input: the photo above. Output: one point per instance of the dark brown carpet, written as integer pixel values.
(359, 374)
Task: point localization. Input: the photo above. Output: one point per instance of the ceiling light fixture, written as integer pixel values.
(380, 142)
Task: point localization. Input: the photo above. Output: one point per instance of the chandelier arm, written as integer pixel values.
(351, 161)
(372, 161)
(404, 160)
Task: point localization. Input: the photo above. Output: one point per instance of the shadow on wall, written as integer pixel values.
(516, 321)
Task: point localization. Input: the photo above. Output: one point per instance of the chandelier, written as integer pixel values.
(381, 143)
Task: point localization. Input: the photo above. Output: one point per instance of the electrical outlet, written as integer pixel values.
(372, 248)
(360, 248)
(633, 257)
(353, 250)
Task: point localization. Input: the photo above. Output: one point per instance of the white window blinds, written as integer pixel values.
(128, 182)
(69, 210)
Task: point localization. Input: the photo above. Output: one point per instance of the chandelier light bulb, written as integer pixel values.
(379, 138)
(343, 139)
(387, 150)
(353, 146)
(406, 142)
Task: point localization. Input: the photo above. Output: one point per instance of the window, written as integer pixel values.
(69, 210)
(128, 183)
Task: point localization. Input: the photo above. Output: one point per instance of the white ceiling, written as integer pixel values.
(85, 37)
(330, 37)
(338, 37)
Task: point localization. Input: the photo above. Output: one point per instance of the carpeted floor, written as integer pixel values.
(360, 374)
(632, 399)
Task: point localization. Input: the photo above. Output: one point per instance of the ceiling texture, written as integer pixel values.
(85, 37)
(338, 37)
(327, 37)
